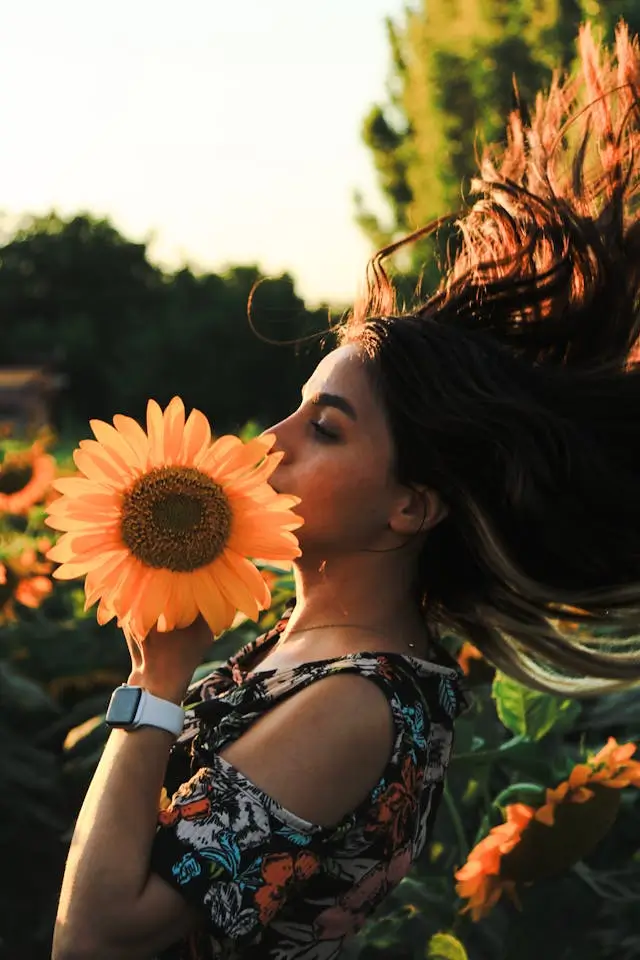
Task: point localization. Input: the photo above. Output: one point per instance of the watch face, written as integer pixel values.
(123, 706)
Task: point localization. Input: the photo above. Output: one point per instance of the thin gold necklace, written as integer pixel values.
(328, 626)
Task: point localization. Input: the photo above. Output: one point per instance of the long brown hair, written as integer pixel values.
(512, 390)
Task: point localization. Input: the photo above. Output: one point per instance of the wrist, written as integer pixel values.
(166, 689)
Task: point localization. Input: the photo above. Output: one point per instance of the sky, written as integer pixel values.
(221, 133)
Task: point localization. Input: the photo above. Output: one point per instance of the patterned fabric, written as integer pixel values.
(271, 884)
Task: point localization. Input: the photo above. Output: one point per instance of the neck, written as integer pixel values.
(341, 591)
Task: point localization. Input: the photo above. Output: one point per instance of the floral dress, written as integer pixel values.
(271, 884)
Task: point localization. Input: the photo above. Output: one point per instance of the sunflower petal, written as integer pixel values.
(104, 613)
(196, 437)
(173, 430)
(215, 609)
(103, 579)
(70, 571)
(212, 459)
(68, 522)
(247, 455)
(188, 610)
(107, 501)
(257, 476)
(114, 442)
(101, 453)
(269, 544)
(152, 599)
(135, 437)
(234, 588)
(79, 486)
(155, 429)
(100, 469)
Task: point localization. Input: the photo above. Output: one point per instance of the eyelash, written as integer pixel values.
(322, 431)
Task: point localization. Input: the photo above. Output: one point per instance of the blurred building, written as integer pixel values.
(26, 399)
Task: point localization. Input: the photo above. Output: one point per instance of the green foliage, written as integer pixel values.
(80, 295)
(529, 713)
(444, 946)
(57, 671)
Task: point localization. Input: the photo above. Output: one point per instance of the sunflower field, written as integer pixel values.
(536, 850)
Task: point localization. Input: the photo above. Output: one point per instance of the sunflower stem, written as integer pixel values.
(533, 790)
(507, 795)
(457, 823)
(486, 756)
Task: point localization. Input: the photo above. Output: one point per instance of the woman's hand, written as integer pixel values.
(164, 662)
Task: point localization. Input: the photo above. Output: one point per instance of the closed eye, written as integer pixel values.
(322, 431)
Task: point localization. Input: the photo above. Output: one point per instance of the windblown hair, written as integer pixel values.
(512, 390)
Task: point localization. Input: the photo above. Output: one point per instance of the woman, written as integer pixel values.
(472, 465)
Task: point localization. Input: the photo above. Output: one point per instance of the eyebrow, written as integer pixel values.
(332, 400)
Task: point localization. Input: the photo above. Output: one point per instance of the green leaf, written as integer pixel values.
(530, 713)
(444, 946)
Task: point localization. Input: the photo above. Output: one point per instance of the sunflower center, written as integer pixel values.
(14, 477)
(176, 518)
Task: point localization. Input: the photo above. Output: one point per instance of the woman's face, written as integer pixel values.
(338, 457)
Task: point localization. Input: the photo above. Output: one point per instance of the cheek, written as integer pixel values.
(349, 498)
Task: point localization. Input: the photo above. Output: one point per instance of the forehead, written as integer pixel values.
(342, 372)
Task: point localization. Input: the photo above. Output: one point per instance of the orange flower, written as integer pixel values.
(542, 842)
(479, 880)
(31, 591)
(611, 767)
(25, 478)
(466, 654)
(23, 579)
(162, 523)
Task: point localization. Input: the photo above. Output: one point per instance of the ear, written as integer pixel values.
(419, 509)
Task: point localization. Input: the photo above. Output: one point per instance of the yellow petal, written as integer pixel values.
(215, 609)
(115, 443)
(69, 571)
(100, 469)
(268, 543)
(247, 455)
(104, 613)
(67, 522)
(102, 579)
(78, 486)
(152, 599)
(135, 437)
(124, 586)
(155, 430)
(234, 588)
(107, 502)
(196, 437)
(216, 455)
(173, 430)
(249, 481)
(103, 454)
(188, 610)
(546, 814)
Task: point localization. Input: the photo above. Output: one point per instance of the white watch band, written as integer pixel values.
(154, 712)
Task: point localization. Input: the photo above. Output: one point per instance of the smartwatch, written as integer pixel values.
(134, 707)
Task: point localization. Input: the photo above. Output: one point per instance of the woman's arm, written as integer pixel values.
(107, 892)
(315, 753)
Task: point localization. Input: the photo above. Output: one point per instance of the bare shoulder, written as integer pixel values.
(321, 751)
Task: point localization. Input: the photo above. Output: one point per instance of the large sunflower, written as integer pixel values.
(25, 478)
(535, 843)
(162, 523)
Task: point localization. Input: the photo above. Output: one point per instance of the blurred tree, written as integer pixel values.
(121, 330)
(451, 88)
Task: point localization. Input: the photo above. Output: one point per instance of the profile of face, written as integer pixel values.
(338, 458)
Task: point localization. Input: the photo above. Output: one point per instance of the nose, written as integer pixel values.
(274, 431)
